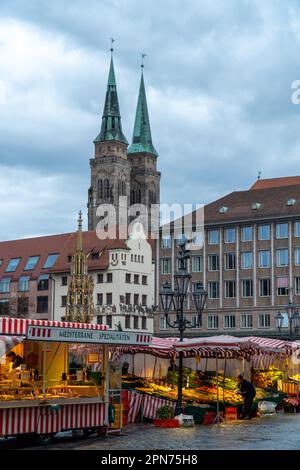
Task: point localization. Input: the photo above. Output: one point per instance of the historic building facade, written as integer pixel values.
(249, 262)
(122, 176)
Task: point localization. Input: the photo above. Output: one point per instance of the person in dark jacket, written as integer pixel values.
(248, 393)
(14, 359)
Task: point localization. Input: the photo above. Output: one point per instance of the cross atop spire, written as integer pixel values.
(111, 127)
(142, 139)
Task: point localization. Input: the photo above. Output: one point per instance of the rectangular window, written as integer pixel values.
(282, 230)
(213, 262)
(230, 261)
(100, 279)
(229, 321)
(144, 300)
(213, 289)
(196, 264)
(264, 320)
(135, 299)
(264, 287)
(128, 278)
(42, 304)
(264, 259)
(128, 298)
(166, 242)
(31, 264)
(136, 279)
(109, 298)
(5, 285)
(194, 322)
(99, 299)
(229, 289)
(213, 237)
(282, 285)
(109, 321)
(12, 265)
(51, 259)
(246, 320)
(297, 285)
(229, 235)
(247, 288)
(297, 256)
(43, 282)
(212, 322)
(63, 300)
(109, 277)
(247, 260)
(165, 265)
(264, 232)
(127, 321)
(64, 280)
(4, 307)
(282, 257)
(24, 283)
(144, 280)
(247, 234)
(99, 319)
(297, 229)
(162, 323)
(144, 323)
(135, 323)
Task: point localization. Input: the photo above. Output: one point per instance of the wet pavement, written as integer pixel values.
(281, 431)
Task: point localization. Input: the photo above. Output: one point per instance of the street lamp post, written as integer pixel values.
(174, 300)
(293, 317)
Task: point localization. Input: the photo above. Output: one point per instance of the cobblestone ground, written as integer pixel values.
(272, 432)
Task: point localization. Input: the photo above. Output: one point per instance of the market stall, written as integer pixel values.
(59, 376)
(211, 366)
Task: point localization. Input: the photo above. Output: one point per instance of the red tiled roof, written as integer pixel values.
(39, 246)
(91, 244)
(276, 182)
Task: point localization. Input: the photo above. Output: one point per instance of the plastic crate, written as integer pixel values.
(209, 417)
(166, 423)
(231, 412)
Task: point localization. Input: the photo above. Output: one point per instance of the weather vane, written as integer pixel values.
(259, 175)
(143, 56)
(112, 40)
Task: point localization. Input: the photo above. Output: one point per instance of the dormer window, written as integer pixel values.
(291, 202)
(223, 210)
(256, 205)
(95, 256)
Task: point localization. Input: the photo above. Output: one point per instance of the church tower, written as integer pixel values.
(145, 179)
(110, 168)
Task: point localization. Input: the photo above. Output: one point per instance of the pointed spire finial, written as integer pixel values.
(143, 56)
(112, 40)
(79, 221)
(259, 175)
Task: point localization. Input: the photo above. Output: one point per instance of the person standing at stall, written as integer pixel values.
(248, 393)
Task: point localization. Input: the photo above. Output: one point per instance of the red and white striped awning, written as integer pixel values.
(161, 347)
(18, 326)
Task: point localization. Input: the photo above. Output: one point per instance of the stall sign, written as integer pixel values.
(74, 335)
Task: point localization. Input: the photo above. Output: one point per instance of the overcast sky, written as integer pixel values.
(218, 76)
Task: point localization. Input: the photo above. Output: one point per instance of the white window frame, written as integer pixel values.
(259, 259)
(296, 250)
(269, 231)
(278, 225)
(296, 223)
(227, 231)
(209, 239)
(247, 316)
(259, 286)
(209, 257)
(226, 281)
(215, 322)
(164, 239)
(231, 318)
(209, 289)
(243, 253)
(193, 263)
(251, 284)
(162, 260)
(225, 260)
(264, 316)
(278, 252)
(243, 239)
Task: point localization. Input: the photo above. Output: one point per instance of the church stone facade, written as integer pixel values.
(123, 175)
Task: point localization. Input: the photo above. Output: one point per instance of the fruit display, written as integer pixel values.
(295, 377)
(204, 389)
(268, 378)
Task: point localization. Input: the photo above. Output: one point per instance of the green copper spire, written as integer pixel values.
(142, 140)
(111, 127)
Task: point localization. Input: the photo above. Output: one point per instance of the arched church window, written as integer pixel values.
(106, 188)
(139, 196)
(100, 189)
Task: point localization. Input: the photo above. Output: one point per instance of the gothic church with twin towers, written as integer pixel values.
(122, 174)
